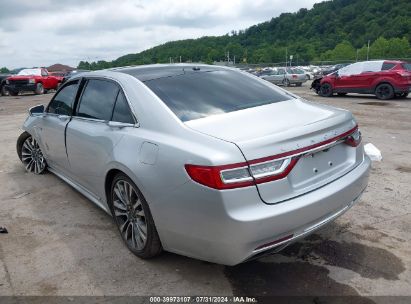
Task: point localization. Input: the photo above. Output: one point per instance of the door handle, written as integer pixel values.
(63, 117)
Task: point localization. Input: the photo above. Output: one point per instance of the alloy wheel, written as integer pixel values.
(129, 214)
(32, 157)
(286, 82)
(384, 91)
(326, 90)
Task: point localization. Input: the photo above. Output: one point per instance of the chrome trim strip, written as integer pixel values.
(239, 180)
(284, 165)
(308, 152)
(323, 147)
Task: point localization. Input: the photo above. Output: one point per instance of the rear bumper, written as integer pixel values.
(403, 89)
(293, 80)
(232, 234)
(21, 87)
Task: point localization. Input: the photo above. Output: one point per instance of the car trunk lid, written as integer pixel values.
(283, 128)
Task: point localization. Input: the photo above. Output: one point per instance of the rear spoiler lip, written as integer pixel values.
(308, 149)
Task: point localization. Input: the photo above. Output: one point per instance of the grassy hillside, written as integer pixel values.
(331, 30)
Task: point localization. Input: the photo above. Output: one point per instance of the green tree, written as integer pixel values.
(331, 30)
(379, 48)
(342, 51)
(84, 65)
(398, 48)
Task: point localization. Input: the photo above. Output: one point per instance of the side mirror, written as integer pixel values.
(36, 110)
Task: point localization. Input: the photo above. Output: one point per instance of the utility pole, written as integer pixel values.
(356, 57)
(286, 57)
(180, 59)
(368, 49)
(234, 59)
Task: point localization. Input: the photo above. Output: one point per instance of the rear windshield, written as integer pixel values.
(200, 94)
(297, 71)
(407, 66)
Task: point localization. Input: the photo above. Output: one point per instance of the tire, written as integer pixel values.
(30, 154)
(13, 93)
(384, 91)
(286, 82)
(326, 90)
(3, 91)
(39, 89)
(58, 86)
(341, 94)
(298, 84)
(132, 219)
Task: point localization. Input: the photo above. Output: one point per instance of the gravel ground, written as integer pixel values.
(59, 243)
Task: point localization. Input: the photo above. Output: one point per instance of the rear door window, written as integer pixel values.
(387, 66)
(98, 99)
(122, 112)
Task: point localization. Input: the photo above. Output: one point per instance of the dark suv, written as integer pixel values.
(385, 79)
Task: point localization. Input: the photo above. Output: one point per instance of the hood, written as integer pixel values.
(22, 77)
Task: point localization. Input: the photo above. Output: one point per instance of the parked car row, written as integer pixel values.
(386, 79)
(285, 76)
(311, 71)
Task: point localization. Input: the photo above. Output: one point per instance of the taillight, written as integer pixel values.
(260, 170)
(273, 170)
(294, 76)
(354, 139)
(221, 177)
(240, 175)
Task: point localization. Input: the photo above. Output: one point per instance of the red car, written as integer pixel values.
(36, 80)
(385, 79)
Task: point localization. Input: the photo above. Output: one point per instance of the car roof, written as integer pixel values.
(155, 71)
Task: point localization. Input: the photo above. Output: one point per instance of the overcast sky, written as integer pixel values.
(44, 32)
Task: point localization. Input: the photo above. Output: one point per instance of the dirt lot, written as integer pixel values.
(59, 243)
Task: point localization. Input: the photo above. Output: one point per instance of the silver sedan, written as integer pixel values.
(204, 161)
(286, 76)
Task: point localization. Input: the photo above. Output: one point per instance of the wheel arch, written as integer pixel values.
(327, 82)
(107, 183)
(115, 169)
(383, 81)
